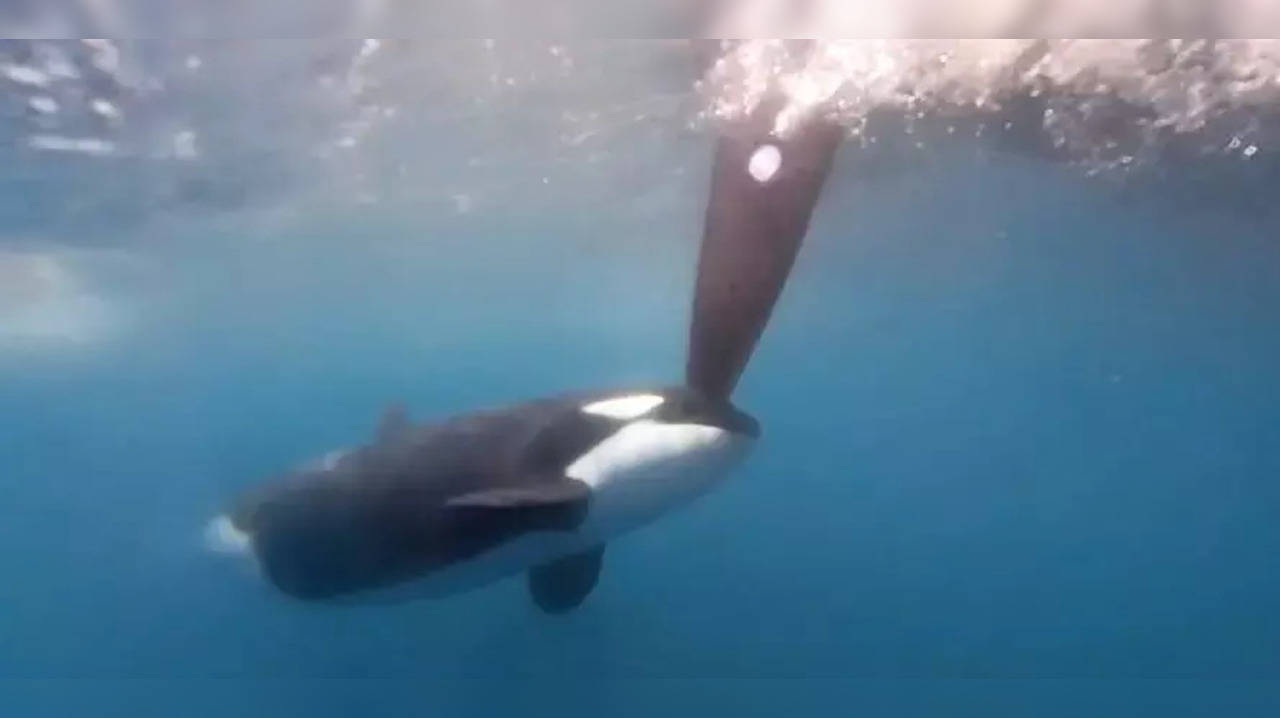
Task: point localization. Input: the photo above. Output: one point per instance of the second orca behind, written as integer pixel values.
(544, 485)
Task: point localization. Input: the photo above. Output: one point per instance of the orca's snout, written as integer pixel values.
(221, 535)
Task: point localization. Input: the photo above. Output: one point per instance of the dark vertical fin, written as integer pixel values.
(563, 584)
(752, 234)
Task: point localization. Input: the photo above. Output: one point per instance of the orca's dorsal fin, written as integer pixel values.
(393, 424)
(562, 585)
(763, 192)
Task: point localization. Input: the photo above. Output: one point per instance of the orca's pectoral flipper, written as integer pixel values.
(763, 191)
(558, 504)
(562, 585)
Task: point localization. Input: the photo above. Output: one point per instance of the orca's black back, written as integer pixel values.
(379, 515)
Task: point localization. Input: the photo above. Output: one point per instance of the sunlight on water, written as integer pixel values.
(349, 109)
(1083, 87)
(261, 138)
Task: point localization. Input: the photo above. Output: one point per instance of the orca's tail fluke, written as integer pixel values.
(763, 191)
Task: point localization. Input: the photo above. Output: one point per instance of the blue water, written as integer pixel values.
(1016, 427)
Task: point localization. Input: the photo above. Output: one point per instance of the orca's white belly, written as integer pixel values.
(630, 488)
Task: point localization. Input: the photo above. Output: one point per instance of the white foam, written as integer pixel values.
(83, 145)
(43, 104)
(24, 75)
(105, 109)
(106, 55)
(1176, 85)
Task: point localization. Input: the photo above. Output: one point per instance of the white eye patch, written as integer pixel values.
(624, 407)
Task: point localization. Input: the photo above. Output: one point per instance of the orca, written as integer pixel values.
(542, 487)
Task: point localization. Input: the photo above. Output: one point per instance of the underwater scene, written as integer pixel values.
(495, 319)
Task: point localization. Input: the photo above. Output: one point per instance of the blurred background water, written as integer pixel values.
(1019, 397)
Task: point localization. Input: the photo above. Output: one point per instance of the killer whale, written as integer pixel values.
(542, 486)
